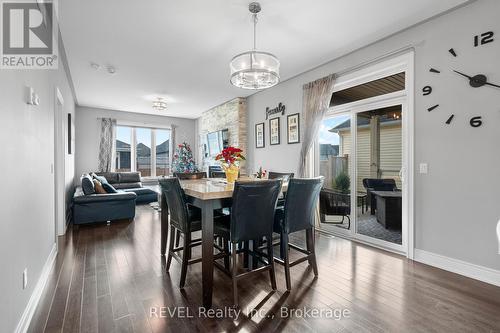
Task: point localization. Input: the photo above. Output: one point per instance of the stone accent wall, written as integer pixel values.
(232, 116)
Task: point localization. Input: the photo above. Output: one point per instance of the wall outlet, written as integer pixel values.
(423, 168)
(25, 278)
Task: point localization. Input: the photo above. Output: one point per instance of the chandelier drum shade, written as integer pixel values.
(255, 69)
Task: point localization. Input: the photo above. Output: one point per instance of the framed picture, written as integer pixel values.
(293, 128)
(274, 131)
(260, 141)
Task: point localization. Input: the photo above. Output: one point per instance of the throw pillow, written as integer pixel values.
(101, 179)
(98, 187)
(109, 188)
(87, 185)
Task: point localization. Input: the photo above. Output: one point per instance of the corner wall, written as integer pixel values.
(27, 228)
(456, 203)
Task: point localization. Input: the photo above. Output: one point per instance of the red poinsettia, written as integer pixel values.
(230, 155)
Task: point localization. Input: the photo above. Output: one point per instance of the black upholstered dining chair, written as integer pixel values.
(298, 215)
(190, 175)
(252, 217)
(184, 219)
(280, 175)
(283, 176)
(217, 174)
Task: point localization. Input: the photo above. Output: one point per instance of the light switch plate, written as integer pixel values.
(423, 168)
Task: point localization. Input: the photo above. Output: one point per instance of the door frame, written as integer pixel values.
(59, 165)
(393, 65)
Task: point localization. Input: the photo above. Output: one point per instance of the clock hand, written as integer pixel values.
(493, 85)
(467, 76)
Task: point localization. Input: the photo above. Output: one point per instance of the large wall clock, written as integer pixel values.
(475, 80)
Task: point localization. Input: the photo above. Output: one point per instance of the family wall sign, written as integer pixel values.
(280, 109)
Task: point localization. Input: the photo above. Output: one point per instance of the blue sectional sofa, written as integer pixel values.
(93, 207)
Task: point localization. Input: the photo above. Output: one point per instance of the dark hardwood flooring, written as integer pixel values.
(107, 278)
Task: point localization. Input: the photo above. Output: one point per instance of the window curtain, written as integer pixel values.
(315, 102)
(107, 145)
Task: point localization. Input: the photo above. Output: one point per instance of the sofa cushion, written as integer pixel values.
(122, 186)
(111, 177)
(109, 188)
(101, 179)
(129, 177)
(87, 185)
(98, 187)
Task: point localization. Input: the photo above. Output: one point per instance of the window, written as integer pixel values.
(162, 148)
(370, 89)
(123, 144)
(142, 149)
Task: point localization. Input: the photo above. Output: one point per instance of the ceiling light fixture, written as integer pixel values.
(255, 69)
(159, 104)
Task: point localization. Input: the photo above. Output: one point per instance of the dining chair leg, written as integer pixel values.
(270, 260)
(227, 253)
(255, 261)
(286, 259)
(245, 246)
(234, 272)
(177, 238)
(170, 246)
(312, 249)
(282, 246)
(186, 254)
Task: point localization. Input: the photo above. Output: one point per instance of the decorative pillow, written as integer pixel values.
(101, 179)
(98, 187)
(87, 185)
(109, 188)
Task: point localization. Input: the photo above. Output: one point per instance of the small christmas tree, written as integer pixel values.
(183, 160)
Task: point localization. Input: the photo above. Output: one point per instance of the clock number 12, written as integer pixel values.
(484, 38)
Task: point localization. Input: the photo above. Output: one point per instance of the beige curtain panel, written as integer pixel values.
(315, 103)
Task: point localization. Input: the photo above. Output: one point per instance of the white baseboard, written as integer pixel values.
(25, 320)
(464, 268)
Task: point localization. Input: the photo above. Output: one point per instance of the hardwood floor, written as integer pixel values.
(111, 278)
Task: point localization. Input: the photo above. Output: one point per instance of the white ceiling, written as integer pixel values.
(180, 49)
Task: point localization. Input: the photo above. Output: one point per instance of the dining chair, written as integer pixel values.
(285, 177)
(217, 174)
(252, 218)
(184, 219)
(298, 215)
(190, 175)
(280, 175)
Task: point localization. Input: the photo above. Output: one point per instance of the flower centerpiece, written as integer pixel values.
(230, 159)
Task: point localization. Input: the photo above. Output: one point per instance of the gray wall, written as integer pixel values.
(456, 203)
(27, 230)
(88, 128)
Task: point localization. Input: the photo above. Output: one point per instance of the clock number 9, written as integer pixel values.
(427, 90)
(476, 121)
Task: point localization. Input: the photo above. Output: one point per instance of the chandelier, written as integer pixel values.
(159, 104)
(255, 69)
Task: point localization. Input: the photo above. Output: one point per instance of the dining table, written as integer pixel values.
(207, 194)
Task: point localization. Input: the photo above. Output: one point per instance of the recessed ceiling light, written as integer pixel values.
(159, 104)
(95, 66)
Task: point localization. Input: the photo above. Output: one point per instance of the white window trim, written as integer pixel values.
(133, 146)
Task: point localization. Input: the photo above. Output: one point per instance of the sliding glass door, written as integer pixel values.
(364, 153)
(379, 153)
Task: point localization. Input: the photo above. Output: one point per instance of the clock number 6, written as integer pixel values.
(427, 90)
(476, 121)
